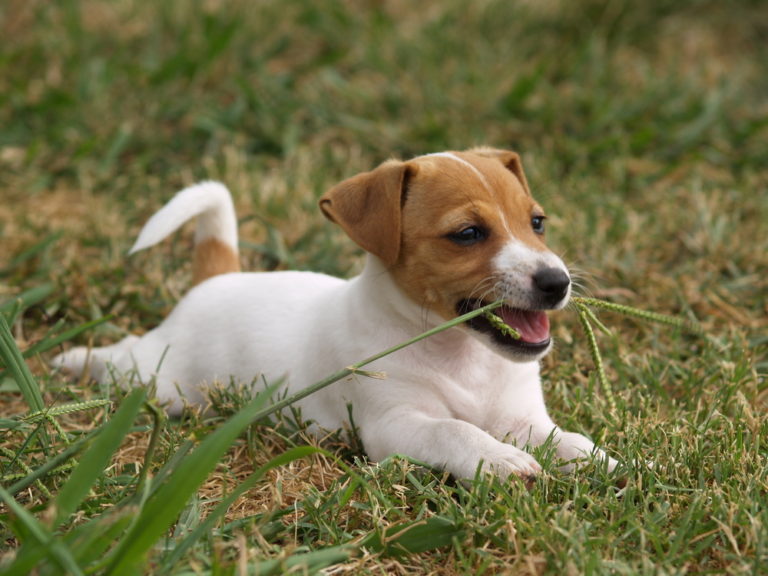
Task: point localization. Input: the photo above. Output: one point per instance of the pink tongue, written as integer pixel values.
(533, 325)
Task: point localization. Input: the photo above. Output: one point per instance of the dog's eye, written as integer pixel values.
(468, 235)
(537, 223)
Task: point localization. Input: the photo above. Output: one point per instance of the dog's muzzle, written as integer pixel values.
(549, 291)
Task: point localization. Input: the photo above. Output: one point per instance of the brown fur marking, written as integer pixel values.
(444, 196)
(213, 257)
(367, 207)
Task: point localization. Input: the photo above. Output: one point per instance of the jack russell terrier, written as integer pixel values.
(445, 233)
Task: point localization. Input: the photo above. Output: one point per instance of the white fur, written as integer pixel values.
(517, 262)
(449, 401)
(209, 201)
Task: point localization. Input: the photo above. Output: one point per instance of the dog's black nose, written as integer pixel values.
(552, 284)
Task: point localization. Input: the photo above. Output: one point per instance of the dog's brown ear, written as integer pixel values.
(367, 207)
(510, 159)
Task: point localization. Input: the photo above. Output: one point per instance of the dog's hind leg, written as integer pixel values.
(76, 360)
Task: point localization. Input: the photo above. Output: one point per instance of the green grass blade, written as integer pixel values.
(98, 455)
(90, 541)
(68, 408)
(501, 326)
(50, 341)
(12, 307)
(53, 463)
(303, 562)
(172, 463)
(42, 543)
(593, 319)
(597, 359)
(14, 362)
(414, 537)
(168, 500)
(221, 508)
(53, 341)
(10, 424)
(638, 313)
(31, 252)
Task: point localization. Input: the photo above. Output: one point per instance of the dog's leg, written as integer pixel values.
(76, 360)
(573, 449)
(454, 445)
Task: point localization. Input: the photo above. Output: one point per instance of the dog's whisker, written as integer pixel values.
(481, 291)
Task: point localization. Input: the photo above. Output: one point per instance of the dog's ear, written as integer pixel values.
(368, 206)
(511, 161)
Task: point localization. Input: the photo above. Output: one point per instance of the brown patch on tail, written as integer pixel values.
(213, 257)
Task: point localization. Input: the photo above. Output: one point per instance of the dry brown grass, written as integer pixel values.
(643, 132)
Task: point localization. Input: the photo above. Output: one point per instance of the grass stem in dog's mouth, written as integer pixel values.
(510, 326)
(501, 326)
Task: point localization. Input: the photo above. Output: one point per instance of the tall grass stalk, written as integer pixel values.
(642, 130)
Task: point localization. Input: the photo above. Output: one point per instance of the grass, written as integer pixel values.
(642, 127)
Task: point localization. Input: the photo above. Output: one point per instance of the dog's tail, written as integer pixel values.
(216, 236)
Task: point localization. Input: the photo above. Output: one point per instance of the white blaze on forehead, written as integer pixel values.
(453, 156)
(477, 173)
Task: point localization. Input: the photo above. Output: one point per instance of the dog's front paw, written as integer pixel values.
(575, 451)
(507, 461)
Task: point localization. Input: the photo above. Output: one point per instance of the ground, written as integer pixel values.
(642, 128)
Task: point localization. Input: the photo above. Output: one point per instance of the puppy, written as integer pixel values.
(445, 233)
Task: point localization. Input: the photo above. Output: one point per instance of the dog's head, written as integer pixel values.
(458, 230)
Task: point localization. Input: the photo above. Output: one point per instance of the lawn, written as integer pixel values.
(643, 129)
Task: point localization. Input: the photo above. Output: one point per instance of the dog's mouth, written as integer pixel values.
(532, 326)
